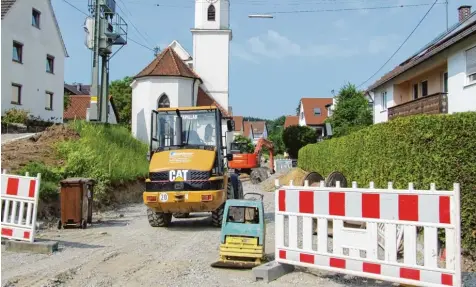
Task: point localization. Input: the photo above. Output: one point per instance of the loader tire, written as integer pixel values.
(217, 215)
(158, 219)
(181, 215)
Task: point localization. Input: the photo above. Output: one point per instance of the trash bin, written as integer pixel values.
(76, 196)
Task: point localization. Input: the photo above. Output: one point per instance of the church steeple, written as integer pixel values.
(212, 14)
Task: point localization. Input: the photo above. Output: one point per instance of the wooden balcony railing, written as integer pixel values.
(431, 104)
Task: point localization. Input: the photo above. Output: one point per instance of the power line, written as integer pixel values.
(134, 26)
(134, 41)
(75, 7)
(349, 9)
(419, 23)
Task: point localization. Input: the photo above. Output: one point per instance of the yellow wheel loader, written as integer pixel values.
(187, 165)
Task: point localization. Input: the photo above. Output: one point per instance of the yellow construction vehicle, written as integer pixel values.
(187, 165)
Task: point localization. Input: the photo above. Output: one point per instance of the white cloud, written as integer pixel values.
(276, 46)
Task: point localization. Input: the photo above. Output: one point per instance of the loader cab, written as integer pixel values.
(189, 128)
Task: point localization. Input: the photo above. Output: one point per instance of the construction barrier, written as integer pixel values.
(355, 251)
(19, 206)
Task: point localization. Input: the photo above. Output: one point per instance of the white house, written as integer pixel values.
(176, 79)
(33, 55)
(440, 78)
(313, 112)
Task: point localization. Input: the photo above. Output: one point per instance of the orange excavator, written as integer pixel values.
(250, 163)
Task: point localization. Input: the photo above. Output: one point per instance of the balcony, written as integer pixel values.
(432, 104)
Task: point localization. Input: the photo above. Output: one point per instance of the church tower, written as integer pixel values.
(211, 47)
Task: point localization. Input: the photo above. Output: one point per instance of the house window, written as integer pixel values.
(415, 91)
(471, 65)
(17, 52)
(317, 111)
(302, 115)
(49, 101)
(35, 18)
(163, 102)
(50, 63)
(16, 94)
(211, 13)
(424, 88)
(445, 82)
(384, 101)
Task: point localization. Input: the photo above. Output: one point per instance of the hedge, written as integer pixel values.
(420, 149)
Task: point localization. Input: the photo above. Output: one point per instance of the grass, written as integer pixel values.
(106, 153)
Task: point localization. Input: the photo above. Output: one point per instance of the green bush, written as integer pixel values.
(17, 116)
(50, 178)
(249, 148)
(295, 137)
(107, 153)
(421, 149)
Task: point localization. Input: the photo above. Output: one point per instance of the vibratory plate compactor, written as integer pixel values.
(242, 238)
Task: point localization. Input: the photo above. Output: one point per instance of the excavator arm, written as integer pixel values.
(270, 147)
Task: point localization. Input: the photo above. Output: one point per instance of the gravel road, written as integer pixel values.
(123, 250)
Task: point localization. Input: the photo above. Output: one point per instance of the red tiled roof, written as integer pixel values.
(258, 126)
(431, 51)
(203, 99)
(309, 104)
(238, 123)
(168, 63)
(78, 107)
(247, 128)
(291, 121)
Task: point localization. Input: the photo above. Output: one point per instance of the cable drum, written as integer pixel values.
(334, 177)
(313, 179)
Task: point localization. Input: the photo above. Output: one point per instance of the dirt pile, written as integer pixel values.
(296, 175)
(38, 148)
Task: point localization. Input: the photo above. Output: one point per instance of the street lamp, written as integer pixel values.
(263, 16)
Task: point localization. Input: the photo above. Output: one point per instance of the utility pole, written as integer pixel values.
(156, 51)
(109, 30)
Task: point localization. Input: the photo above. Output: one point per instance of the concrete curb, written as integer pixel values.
(39, 246)
(271, 271)
(20, 138)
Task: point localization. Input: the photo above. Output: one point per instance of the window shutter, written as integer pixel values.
(471, 61)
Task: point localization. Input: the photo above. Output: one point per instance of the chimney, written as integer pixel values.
(464, 12)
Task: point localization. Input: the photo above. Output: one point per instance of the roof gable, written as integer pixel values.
(310, 104)
(238, 123)
(180, 50)
(7, 5)
(203, 99)
(247, 129)
(258, 127)
(167, 63)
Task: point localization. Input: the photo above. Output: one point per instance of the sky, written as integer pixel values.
(302, 52)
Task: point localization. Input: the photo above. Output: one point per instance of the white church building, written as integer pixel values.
(177, 79)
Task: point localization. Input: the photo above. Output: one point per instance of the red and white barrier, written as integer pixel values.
(382, 210)
(19, 197)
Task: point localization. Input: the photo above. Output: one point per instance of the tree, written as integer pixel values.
(249, 148)
(66, 100)
(296, 137)
(122, 94)
(351, 112)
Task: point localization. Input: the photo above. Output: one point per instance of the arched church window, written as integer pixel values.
(211, 13)
(163, 102)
